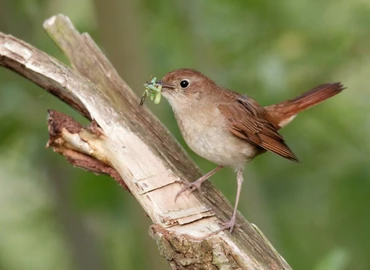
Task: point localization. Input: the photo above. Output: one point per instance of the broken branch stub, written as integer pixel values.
(83, 147)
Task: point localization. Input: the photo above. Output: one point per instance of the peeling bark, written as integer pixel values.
(82, 147)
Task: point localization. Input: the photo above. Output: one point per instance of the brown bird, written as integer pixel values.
(230, 129)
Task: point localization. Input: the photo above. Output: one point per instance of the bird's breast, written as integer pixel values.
(206, 132)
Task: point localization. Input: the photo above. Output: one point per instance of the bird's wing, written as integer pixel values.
(247, 122)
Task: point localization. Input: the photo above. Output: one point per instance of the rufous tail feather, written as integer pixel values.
(282, 113)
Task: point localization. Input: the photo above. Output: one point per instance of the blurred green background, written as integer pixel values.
(316, 214)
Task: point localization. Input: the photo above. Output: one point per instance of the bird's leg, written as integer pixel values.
(231, 223)
(197, 184)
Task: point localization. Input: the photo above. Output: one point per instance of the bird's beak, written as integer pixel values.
(165, 85)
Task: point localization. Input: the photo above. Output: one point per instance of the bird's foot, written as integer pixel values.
(229, 225)
(197, 184)
(189, 186)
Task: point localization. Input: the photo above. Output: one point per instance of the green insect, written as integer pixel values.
(153, 89)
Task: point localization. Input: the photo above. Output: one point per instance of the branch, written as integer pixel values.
(130, 142)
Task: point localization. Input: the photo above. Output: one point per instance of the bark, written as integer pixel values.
(127, 142)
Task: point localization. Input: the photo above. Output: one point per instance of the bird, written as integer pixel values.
(230, 129)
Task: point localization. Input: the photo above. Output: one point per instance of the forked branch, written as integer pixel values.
(127, 142)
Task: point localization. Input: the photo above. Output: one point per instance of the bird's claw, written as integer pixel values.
(189, 186)
(229, 225)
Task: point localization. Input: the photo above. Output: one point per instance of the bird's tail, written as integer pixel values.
(283, 113)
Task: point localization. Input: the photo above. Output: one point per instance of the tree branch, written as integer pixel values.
(141, 151)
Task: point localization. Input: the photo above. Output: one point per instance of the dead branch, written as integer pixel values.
(129, 143)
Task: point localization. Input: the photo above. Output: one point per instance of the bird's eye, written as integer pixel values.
(184, 84)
